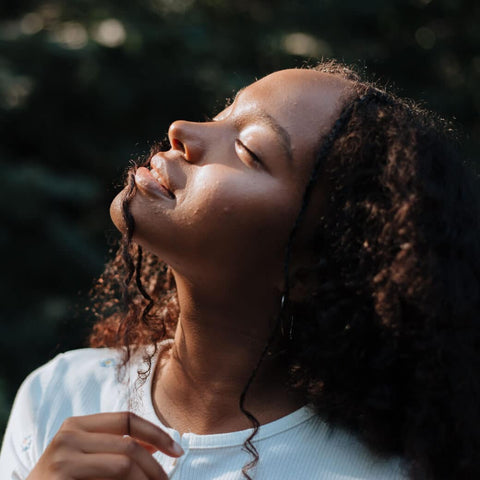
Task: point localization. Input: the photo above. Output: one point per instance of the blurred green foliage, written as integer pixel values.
(86, 85)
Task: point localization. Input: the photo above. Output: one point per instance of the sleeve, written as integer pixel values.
(20, 448)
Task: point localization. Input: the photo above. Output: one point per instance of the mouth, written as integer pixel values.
(162, 183)
(158, 171)
(153, 183)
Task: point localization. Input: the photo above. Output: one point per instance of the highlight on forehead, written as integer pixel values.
(330, 67)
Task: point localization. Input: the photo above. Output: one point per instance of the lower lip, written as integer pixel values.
(148, 184)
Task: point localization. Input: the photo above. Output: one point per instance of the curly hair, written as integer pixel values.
(386, 342)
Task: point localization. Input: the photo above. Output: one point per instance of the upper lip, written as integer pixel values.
(158, 168)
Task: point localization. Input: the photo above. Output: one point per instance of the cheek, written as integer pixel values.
(242, 211)
(218, 220)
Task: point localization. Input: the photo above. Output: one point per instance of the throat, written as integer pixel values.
(212, 406)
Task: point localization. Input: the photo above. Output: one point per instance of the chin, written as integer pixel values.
(116, 213)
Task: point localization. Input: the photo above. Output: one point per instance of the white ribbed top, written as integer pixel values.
(81, 382)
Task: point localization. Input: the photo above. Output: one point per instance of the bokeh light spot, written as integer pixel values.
(31, 23)
(305, 45)
(72, 35)
(15, 89)
(425, 37)
(110, 33)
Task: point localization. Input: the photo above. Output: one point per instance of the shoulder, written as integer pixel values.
(343, 451)
(77, 377)
(73, 371)
(78, 382)
(318, 450)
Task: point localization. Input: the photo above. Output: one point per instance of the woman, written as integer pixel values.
(321, 301)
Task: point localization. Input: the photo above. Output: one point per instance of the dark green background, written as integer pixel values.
(86, 85)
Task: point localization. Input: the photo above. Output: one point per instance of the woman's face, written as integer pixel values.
(223, 199)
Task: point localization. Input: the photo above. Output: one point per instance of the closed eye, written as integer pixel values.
(254, 157)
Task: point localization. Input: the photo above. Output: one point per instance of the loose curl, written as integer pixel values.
(386, 342)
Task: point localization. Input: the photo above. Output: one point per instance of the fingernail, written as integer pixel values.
(177, 449)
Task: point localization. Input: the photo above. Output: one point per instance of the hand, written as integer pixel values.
(106, 445)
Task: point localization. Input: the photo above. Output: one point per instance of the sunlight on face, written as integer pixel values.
(225, 195)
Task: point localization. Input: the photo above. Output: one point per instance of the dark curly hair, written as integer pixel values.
(386, 340)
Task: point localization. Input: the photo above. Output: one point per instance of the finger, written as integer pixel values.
(111, 466)
(127, 423)
(149, 448)
(108, 443)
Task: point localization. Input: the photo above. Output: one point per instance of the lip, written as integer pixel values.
(159, 171)
(152, 183)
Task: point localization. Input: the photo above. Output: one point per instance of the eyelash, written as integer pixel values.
(254, 157)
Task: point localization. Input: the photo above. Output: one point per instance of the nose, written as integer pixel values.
(187, 138)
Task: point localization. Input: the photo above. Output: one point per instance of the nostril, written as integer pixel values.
(178, 145)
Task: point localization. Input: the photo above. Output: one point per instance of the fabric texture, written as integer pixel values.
(82, 382)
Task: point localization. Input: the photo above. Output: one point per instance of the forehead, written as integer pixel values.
(303, 102)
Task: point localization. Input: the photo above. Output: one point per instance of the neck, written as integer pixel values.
(218, 344)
